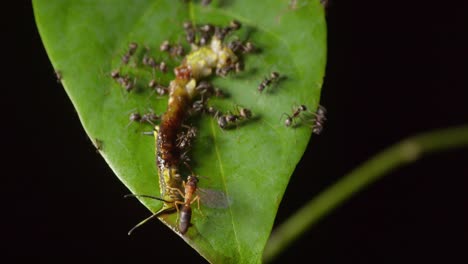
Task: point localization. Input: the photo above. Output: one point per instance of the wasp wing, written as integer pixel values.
(213, 198)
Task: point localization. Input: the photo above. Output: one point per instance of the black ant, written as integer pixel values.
(132, 47)
(205, 2)
(58, 75)
(206, 33)
(149, 117)
(115, 74)
(224, 71)
(324, 3)
(274, 76)
(237, 46)
(206, 88)
(199, 105)
(124, 81)
(163, 67)
(165, 46)
(221, 33)
(319, 119)
(190, 32)
(149, 61)
(184, 139)
(230, 118)
(296, 112)
(177, 51)
(212, 111)
(158, 88)
(126, 58)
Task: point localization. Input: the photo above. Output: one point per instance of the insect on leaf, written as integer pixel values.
(249, 163)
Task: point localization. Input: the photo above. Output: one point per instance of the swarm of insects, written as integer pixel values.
(173, 139)
(188, 94)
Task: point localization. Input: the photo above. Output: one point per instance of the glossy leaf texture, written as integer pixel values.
(250, 163)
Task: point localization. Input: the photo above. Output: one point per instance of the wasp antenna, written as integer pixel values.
(146, 196)
(142, 222)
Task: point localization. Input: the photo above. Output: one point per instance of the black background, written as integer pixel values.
(395, 68)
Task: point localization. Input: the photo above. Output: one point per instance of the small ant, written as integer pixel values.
(152, 83)
(132, 48)
(206, 88)
(98, 144)
(245, 113)
(115, 74)
(163, 67)
(184, 139)
(165, 46)
(126, 58)
(237, 45)
(190, 32)
(198, 105)
(274, 76)
(324, 3)
(129, 85)
(125, 81)
(161, 90)
(212, 111)
(149, 61)
(58, 75)
(296, 112)
(158, 88)
(221, 33)
(177, 51)
(222, 122)
(224, 71)
(319, 119)
(205, 2)
(149, 117)
(135, 117)
(234, 25)
(206, 33)
(230, 118)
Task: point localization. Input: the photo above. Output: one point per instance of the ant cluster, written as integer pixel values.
(133, 58)
(188, 95)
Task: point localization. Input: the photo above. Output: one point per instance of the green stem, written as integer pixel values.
(399, 154)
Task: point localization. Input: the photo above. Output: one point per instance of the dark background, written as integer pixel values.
(394, 69)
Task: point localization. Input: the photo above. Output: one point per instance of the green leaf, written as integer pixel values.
(250, 163)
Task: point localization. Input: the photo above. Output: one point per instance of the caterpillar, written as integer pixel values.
(200, 63)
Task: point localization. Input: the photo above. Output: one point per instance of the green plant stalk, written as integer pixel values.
(406, 151)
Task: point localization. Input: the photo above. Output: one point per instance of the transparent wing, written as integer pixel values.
(213, 198)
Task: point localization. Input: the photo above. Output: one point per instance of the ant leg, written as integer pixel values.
(177, 189)
(177, 208)
(284, 114)
(197, 198)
